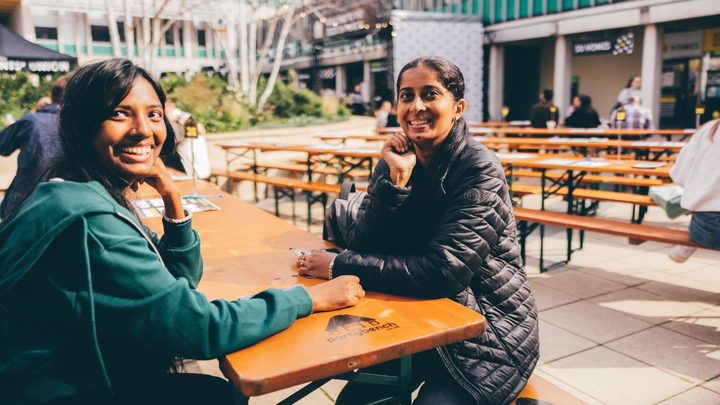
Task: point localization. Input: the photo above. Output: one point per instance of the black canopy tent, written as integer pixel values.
(17, 53)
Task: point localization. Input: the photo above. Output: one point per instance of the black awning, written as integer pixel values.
(17, 53)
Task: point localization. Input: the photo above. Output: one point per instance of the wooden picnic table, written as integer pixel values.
(584, 132)
(343, 158)
(246, 250)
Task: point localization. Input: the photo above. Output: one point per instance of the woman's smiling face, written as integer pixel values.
(130, 139)
(425, 108)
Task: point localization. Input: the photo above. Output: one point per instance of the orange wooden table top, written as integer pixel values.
(247, 250)
(633, 167)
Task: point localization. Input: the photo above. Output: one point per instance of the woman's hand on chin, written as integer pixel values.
(159, 178)
(400, 157)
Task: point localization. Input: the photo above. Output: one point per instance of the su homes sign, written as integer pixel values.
(621, 44)
(341, 327)
(37, 66)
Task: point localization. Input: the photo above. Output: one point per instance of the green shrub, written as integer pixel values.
(18, 95)
(288, 100)
(209, 101)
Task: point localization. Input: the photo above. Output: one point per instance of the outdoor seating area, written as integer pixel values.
(339, 202)
(565, 232)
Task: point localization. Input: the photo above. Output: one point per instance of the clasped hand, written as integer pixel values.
(400, 157)
(340, 292)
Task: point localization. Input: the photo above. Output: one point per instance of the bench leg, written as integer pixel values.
(405, 380)
(310, 201)
(277, 202)
(292, 198)
(542, 248)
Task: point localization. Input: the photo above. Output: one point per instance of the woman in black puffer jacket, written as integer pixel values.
(443, 228)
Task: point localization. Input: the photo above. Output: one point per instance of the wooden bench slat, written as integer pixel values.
(587, 194)
(606, 226)
(302, 168)
(284, 182)
(593, 178)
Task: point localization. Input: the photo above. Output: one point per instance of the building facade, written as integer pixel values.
(97, 29)
(509, 50)
(595, 47)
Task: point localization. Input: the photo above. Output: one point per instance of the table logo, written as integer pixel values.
(344, 326)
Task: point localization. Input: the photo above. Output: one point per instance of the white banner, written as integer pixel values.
(682, 45)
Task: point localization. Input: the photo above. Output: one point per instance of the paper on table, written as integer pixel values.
(648, 165)
(153, 207)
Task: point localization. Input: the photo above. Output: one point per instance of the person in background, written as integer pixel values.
(544, 111)
(36, 136)
(632, 89)
(438, 222)
(584, 115)
(44, 101)
(636, 116)
(382, 113)
(696, 170)
(172, 113)
(356, 102)
(95, 307)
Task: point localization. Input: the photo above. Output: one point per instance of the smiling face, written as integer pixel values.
(636, 83)
(426, 109)
(130, 139)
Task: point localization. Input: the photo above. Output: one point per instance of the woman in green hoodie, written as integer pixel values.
(94, 308)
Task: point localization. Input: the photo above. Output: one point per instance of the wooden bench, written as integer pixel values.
(593, 178)
(580, 195)
(302, 168)
(316, 192)
(525, 217)
(541, 391)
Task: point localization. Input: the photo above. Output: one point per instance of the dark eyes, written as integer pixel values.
(122, 114)
(426, 95)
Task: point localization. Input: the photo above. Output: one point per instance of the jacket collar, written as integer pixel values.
(448, 153)
(50, 109)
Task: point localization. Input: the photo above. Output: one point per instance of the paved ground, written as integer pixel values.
(621, 324)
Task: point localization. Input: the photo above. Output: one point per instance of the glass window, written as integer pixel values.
(568, 5)
(585, 3)
(487, 19)
(169, 38)
(498, 11)
(510, 14)
(537, 7)
(121, 31)
(552, 6)
(201, 37)
(100, 33)
(524, 8)
(46, 33)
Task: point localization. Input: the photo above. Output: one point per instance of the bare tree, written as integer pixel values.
(262, 32)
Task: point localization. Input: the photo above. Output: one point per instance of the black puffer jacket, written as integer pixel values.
(451, 233)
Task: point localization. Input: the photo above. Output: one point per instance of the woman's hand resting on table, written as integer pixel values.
(316, 264)
(400, 157)
(339, 292)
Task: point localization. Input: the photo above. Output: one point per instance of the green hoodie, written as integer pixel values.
(90, 301)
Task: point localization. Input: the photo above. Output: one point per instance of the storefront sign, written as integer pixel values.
(346, 22)
(682, 45)
(712, 40)
(621, 44)
(43, 66)
(327, 73)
